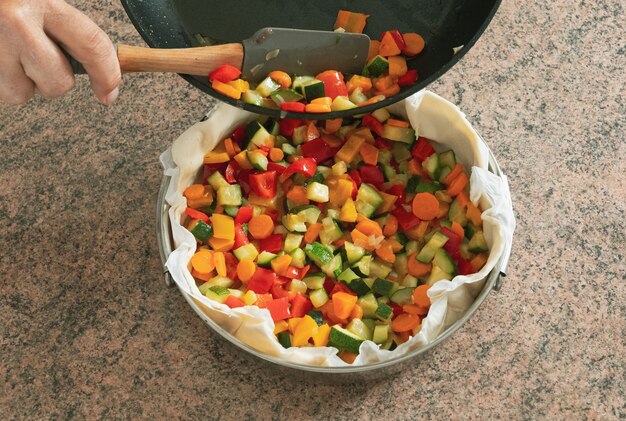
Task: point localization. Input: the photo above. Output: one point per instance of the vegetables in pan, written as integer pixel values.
(337, 228)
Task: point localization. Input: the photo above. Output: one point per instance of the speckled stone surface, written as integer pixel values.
(89, 331)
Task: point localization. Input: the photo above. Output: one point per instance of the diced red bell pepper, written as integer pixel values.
(195, 214)
(372, 175)
(293, 272)
(272, 213)
(296, 107)
(261, 281)
(453, 245)
(273, 166)
(244, 214)
(355, 189)
(329, 285)
(230, 173)
(271, 244)
(354, 175)
(340, 287)
(286, 126)
(263, 184)
(234, 302)
(397, 310)
(241, 238)
(279, 309)
(304, 166)
(231, 266)
(318, 149)
(373, 124)
(422, 149)
(406, 219)
(397, 37)
(225, 73)
(239, 134)
(300, 305)
(278, 291)
(382, 143)
(334, 84)
(464, 267)
(397, 190)
(408, 79)
(209, 169)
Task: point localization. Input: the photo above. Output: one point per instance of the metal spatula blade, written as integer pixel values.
(303, 52)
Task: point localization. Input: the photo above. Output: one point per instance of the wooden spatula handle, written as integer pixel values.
(192, 61)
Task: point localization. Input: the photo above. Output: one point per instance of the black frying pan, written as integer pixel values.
(444, 24)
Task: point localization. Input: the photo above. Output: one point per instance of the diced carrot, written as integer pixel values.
(385, 253)
(417, 268)
(343, 303)
(276, 154)
(351, 21)
(203, 262)
(364, 132)
(369, 153)
(317, 108)
(474, 214)
(348, 357)
(206, 277)
(312, 232)
(443, 210)
(369, 227)
(388, 46)
(420, 296)
(372, 100)
(297, 195)
(458, 169)
(457, 229)
(397, 66)
(357, 81)
(425, 206)
(457, 185)
(281, 78)
(333, 125)
(195, 191)
(418, 232)
(391, 227)
(242, 160)
(350, 149)
(396, 246)
(340, 242)
(220, 263)
(261, 226)
(383, 83)
(390, 91)
(357, 312)
(226, 89)
(479, 261)
(414, 43)
(397, 123)
(221, 244)
(361, 240)
(415, 309)
(373, 50)
(281, 263)
(230, 147)
(245, 270)
(325, 100)
(342, 19)
(405, 322)
(414, 167)
(463, 199)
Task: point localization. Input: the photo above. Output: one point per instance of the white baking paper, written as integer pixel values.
(432, 117)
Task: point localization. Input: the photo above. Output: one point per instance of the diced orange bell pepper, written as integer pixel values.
(321, 334)
(350, 149)
(223, 226)
(226, 89)
(343, 303)
(348, 211)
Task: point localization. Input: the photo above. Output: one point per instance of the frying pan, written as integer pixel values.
(445, 25)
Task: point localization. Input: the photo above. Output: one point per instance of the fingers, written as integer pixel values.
(88, 44)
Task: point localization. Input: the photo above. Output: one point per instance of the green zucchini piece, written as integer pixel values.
(428, 251)
(318, 253)
(376, 66)
(367, 200)
(403, 296)
(265, 258)
(201, 230)
(399, 134)
(444, 261)
(457, 213)
(359, 286)
(344, 339)
(368, 304)
(317, 316)
(360, 329)
(478, 244)
(267, 87)
(382, 286)
(229, 195)
(284, 339)
(383, 312)
(318, 297)
(354, 253)
(286, 95)
(257, 160)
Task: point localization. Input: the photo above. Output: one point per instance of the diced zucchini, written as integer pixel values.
(360, 329)
(344, 339)
(403, 296)
(381, 114)
(341, 103)
(478, 244)
(246, 252)
(457, 213)
(400, 152)
(267, 86)
(286, 95)
(380, 334)
(312, 89)
(231, 210)
(432, 167)
(436, 275)
(383, 312)
(229, 196)
(382, 286)
(376, 66)
(288, 149)
(347, 276)
(318, 297)
(444, 261)
(411, 247)
(359, 286)
(265, 258)
(297, 286)
(310, 213)
(317, 316)
(284, 339)
(425, 187)
(299, 81)
(410, 281)
(378, 269)
(318, 253)
(292, 242)
(201, 230)
(317, 192)
(217, 293)
(257, 134)
(363, 265)
(298, 258)
(217, 180)
(447, 159)
(249, 297)
(400, 264)
(368, 304)
(318, 177)
(333, 267)
(399, 134)
(354, 253)
(357, 96)
(315, 280)
(339, 168)
(257, 160)
(428, 251)
(252, 97)
(294, 223)
(471, 229)
(367, 200)
(330, 231)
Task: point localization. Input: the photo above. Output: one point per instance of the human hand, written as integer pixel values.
(31, 60)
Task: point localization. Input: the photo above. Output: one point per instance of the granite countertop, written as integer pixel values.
(89, 331)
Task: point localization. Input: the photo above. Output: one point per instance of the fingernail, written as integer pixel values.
(111, 97)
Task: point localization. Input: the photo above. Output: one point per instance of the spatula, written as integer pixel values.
(295, 51)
